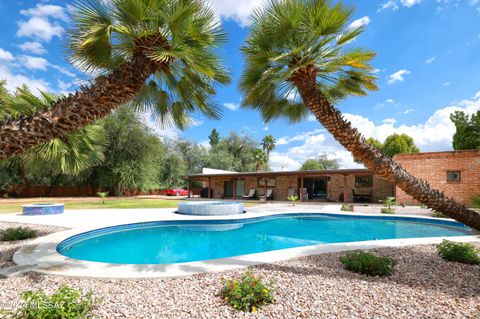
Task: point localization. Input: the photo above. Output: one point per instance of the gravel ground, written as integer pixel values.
(423, 286)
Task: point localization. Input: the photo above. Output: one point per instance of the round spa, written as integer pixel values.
(43, 209)
(210, 208)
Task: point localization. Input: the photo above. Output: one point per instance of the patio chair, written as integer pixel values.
(269, 195)
(251, 194)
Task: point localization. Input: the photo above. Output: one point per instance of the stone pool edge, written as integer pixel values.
(42, 252)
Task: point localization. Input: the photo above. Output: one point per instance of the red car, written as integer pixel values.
(176, 192)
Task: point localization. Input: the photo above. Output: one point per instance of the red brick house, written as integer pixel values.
(457, 173)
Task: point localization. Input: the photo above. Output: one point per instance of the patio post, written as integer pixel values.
(189, 188)
(345, 193)
(209, 190)
(301, 188)
(234, 181)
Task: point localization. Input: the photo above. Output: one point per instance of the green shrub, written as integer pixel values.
(368, 264)
(347, 208)
(293, 199)
(387, 210)
(102, 195)
(439, 215)
(65, 303)
(248, 293)
(18, 233)
(460, 252)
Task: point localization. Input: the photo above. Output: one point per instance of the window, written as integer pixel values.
(364, 181)
(271, 182)
(453, 176)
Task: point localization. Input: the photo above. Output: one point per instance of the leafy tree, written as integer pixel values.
(214, 138)
(375, 143)
(467, 134)
(160, 53)
(320, 163)
(399, 144)
(301, 58)
(133, 155)
(192, 155)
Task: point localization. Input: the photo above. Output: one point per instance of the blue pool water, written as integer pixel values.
(177, 241)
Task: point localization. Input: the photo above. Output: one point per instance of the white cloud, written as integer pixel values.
(410, 3)
(447, 83)
(311, 118)
(297, 138)
(232, 106)
(359, 22)
(33, 63)
(397, 76)
(394, 4)
(389, 4)
(42, 22)
(46, 10)
(5, 55)
(14, 81)
(238, 10)
(390, 101)
(266, 128)
(428, 61)
(39, 28)
(33, 47)
(390, 121)
(435, 134)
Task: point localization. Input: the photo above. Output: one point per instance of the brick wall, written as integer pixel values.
(433, 167)
(381, 188)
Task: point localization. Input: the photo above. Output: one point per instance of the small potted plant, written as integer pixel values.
(293, 199)
(388, 202)
(102, 195)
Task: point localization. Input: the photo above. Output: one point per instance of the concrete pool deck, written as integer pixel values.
(42, 256)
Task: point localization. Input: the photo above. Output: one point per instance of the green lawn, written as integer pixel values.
(97, 203)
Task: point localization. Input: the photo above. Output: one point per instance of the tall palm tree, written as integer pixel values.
(268, 143)
(77, 153)
(158, 54)
(260, 158)
(300, 59)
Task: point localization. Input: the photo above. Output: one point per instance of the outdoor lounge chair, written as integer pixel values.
(251, 194)
(269, 195)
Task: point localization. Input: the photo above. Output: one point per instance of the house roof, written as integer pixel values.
(362, 171)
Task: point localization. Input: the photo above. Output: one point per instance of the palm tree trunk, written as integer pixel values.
(385, 167)
(85, 106)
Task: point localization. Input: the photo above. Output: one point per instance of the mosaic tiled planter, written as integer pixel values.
(210, 208)
(43, 209)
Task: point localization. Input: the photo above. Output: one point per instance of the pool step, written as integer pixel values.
(15, 270)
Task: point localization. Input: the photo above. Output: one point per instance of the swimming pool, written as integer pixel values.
(168, 242)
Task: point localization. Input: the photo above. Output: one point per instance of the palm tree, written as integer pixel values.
(158, 54)
(300, 59)
(268, 144)
(77, 153)
(260, 158)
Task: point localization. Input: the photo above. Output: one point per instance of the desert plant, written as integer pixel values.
(388, 202)
(102, 195)
(17, 233)
(368, 264)
(293, 199)
(65, 303)
(248, 293)
(465, 253)
(347, 208)
(476, 201)
(439, 215)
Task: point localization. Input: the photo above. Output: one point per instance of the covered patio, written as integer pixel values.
(340, 185)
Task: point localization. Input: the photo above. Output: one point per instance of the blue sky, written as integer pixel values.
(427, 66)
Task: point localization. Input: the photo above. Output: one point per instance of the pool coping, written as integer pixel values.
(42, 252)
